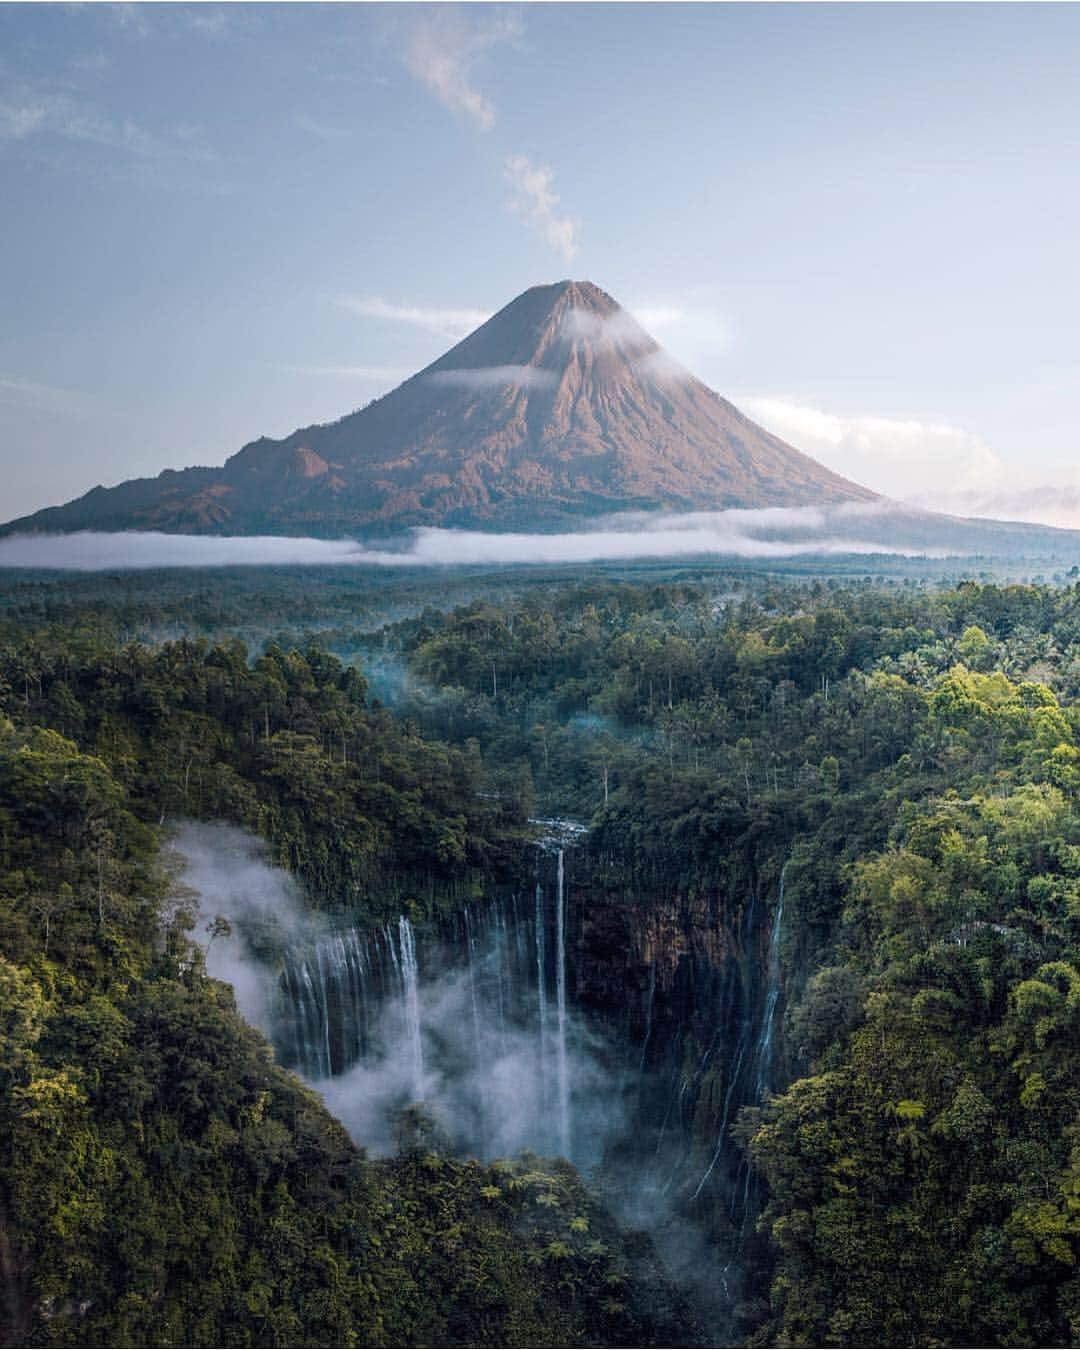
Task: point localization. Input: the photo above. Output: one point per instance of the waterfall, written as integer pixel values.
(410, 978)
(325, 965)
(560, 1003)
(541, 976)
(772, 996)
(470, 1013)
(758, 1057)
(721, 1138)
(309, 1039)
(329, 992)
(650, 1001)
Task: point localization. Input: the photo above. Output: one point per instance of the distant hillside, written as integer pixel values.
(559, 408)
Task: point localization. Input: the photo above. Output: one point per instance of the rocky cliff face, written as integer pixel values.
(633, 943)
(687, 981)
(691, 989)
(560, 407)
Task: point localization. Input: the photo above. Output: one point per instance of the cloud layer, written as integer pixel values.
(35, 111)
(90, 551)
(773, 533)
(496, 377)
(1037, 503)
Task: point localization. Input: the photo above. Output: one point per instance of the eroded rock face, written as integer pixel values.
(559, 407)
(682, 979)
(632, 941)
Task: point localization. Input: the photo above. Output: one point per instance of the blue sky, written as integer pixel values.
(857, 221)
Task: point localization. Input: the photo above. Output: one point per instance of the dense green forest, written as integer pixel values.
(162, 1182)
(902, 755)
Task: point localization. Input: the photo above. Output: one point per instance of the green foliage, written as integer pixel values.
(910, 753)
(162, 1181)
(352, 801)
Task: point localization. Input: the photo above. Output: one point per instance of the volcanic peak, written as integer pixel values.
(557, 408)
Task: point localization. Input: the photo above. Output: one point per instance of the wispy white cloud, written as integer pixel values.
(496, 377)
(719, 533)
(386, 375)
(18, 120)
(133, 18)
(86, 124)
(619, 329)
(662, 369)
(58, 115)
(697, 334)
(930, 464)
(90, 63)
(50, 398)
(446, 322)
(325, 131)
(1033, 502)
(443, 47)
(90, 551)
(209, 21)
(537, 204)
(901, 457)
(653, 317)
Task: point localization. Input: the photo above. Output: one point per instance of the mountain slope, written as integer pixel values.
(559, 407)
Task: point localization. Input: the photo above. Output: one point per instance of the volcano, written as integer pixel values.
(558, 408)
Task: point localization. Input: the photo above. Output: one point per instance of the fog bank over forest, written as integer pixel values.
(776, 532)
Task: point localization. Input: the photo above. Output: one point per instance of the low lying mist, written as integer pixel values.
(777, 532)
(92, 551)
(227, 869)
(486, 1082)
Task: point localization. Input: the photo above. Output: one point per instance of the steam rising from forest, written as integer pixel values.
(774, 532)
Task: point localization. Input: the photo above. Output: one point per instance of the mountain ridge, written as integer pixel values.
(558, 408)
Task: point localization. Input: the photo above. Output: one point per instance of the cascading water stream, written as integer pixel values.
(410, 980)
(650, 1001)
(562, 1065)
(721, 1138)
(772, 997)
(760, 1061)
(474, 1016)
(477, 1027)
(541, 983)
(470, 1015)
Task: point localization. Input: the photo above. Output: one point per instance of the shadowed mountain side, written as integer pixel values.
(558, 409)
